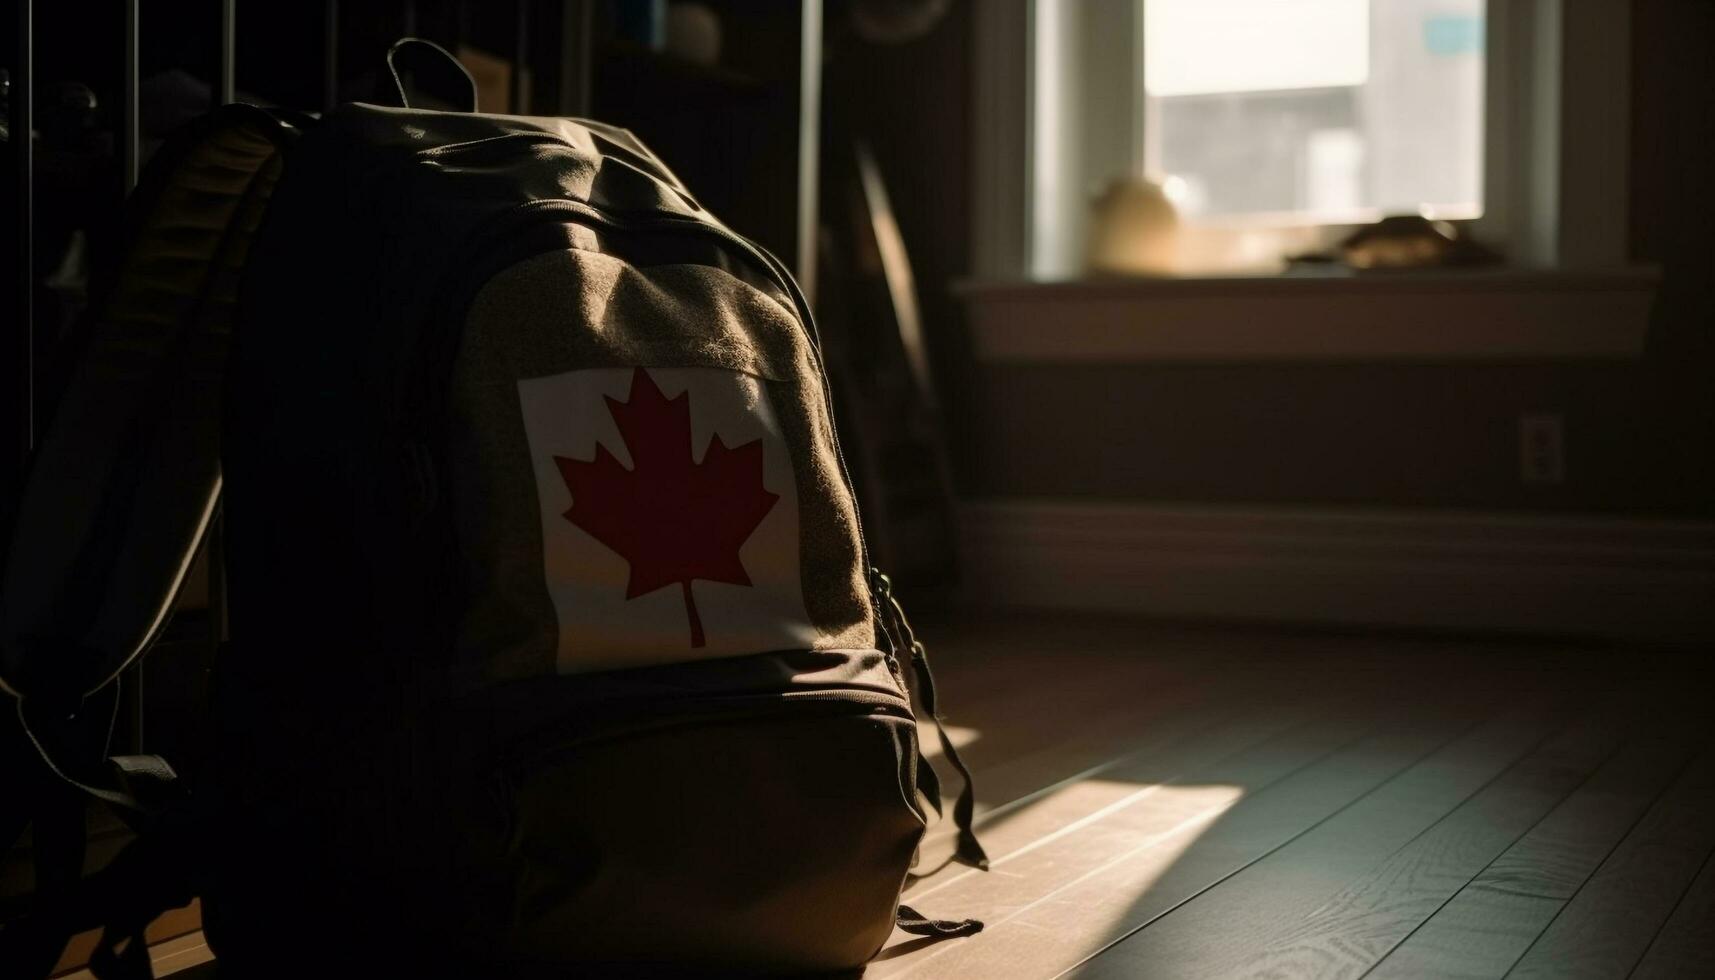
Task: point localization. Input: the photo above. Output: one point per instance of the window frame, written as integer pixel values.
(1554, 196)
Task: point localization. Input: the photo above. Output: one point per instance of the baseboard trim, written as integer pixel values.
(1566, 576)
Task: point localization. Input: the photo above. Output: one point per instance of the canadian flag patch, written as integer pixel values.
(669, 515)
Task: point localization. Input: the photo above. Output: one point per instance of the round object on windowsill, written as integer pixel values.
(1134, 229)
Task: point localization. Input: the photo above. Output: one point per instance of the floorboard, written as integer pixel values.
(1092, 845)
(1220, 930)
(1493, 920)
(1251, 803)
(1064, 800)
(1378, 909)
(1608, 926)
(1150, 804)
(1685, 946)
(1041, 927)
(1068, 715)
(1058, 742)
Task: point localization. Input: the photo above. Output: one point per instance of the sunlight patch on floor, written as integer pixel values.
(1121, 836)
(931, 744)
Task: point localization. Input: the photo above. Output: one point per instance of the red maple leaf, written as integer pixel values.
(672, 518)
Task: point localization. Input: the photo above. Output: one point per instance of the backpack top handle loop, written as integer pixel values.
(428, 61)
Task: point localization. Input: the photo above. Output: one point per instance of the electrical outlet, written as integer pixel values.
(1542, 447)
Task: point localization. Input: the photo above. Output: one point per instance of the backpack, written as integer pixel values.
(554, 642)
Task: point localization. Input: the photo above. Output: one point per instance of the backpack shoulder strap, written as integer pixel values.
(122, 486)
(119, 494)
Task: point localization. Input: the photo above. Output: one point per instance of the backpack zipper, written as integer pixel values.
(710, 709)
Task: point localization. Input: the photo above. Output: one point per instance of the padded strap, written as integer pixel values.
(135, 784)
(148, 781)
(123, 485)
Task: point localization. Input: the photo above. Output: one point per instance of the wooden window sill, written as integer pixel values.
(1454, 315)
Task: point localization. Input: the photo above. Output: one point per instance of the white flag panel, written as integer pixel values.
(677, 519)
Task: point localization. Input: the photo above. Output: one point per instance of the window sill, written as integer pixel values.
(1499, 315)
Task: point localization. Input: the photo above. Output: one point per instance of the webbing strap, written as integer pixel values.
(912, 921)
(145, 879)
(142, 784)
(968, 850)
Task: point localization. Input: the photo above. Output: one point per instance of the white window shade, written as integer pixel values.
(1205, 47)
(1312, 112)
(1067, 80)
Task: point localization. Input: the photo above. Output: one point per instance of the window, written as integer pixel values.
(1315, 111)
(1277, 125)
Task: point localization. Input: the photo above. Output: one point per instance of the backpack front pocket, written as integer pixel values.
(773, 842)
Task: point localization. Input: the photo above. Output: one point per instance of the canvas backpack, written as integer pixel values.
(555, 649)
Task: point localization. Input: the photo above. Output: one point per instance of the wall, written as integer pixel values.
(1673, 224)
(1402, 434)
(1640, 435)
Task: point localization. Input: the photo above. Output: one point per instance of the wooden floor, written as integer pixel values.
(1198, 803)
(1177, 802)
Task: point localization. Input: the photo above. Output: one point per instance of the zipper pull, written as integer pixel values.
(881, 599)
(901, 637)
